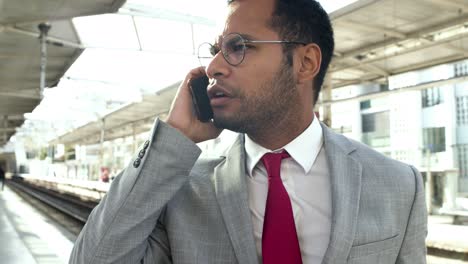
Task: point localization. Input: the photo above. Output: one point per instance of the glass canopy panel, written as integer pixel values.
(200, 8)
(164, 35)
(136, 71)
(111, 31)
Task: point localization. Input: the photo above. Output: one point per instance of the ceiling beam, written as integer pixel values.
(8, 129)
(357, 5)
(449, 46)
(28, 56)
(6, 80)
(425, 45)
(53, 40)
(370, 67)
(450, 4)
(413, 35)
(364, 79)
(140, 10)
(401, 70)
(417, 87)
(20, 95)
(375, 29)
(417, 66)
(459, 50)
(15, 117)
(376, 70)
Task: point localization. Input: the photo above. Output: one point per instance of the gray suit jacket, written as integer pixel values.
(175, 207)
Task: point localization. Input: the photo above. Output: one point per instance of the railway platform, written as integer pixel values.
(29, 237)
(32, 237)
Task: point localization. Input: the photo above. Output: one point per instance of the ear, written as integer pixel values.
(310, 59)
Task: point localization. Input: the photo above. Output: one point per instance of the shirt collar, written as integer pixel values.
(303, 149)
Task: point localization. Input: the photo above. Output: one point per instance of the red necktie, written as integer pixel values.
(279, 239)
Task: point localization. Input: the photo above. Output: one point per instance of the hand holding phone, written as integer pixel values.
(200, 99)
(182, 115)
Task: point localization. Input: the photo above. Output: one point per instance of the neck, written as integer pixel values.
(281, 133)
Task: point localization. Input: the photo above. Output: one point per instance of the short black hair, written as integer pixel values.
(304, 21)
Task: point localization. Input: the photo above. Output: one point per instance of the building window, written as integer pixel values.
(462, 110)
(376, 129)
(365, 104)
(432, 96)
(434, 139)
(461, 69)
(463, 160)
(368, 123)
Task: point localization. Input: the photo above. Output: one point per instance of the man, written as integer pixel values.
(332, 200)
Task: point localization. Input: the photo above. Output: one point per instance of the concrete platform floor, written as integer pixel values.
(27, 236)
(444, 235)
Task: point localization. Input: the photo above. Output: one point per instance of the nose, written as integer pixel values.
(218, 67)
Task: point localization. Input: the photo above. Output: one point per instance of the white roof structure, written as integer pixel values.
(130, 119)
(374, 40)
(378, 38)
(20, 51)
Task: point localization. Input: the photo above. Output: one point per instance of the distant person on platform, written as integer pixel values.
(289, 190)
(2, 177)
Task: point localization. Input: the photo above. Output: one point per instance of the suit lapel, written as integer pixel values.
(345, 174)
(231, 192)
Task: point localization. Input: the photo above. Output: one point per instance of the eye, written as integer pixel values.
(235, 46)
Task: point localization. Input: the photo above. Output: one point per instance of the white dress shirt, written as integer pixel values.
(306, 178)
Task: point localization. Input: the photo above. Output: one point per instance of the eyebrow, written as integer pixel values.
(247, 36)
(243, 35)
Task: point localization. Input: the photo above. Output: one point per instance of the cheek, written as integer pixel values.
(252, 77)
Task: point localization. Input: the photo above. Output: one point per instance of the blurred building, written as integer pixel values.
(420, 118)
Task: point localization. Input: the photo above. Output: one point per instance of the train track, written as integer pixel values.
(79, 211)
(67, 204)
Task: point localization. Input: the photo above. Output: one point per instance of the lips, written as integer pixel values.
(217, 91)
(218, 95)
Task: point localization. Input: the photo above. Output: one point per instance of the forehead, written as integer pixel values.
(249, 17)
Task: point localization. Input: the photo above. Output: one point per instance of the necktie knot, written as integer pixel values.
(272, 163)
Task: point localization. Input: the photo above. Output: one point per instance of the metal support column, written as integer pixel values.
(44, 30)
(5, 126)
(194, 48)
(137, 33)
(101, 150)
(429, 182)
(327, 97)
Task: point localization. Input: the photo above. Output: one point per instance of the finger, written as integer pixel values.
(195, 73)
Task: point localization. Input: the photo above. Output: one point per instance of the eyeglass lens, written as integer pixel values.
(232, 48)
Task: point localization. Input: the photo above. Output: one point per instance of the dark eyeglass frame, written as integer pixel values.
(215, 49)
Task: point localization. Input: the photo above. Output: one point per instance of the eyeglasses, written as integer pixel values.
(233, 47)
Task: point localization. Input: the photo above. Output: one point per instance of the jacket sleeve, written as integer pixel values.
(413, 249)
(119, 228)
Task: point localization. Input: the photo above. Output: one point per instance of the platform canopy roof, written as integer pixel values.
(20, 51)
(379, 38)
(130, 119)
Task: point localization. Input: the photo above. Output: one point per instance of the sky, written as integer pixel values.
(146, 47)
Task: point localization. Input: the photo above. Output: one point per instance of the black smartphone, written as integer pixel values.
(200, 99)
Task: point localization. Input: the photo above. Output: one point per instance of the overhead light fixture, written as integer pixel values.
(360, 57)
(371, 55)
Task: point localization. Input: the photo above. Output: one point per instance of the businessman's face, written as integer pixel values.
(260, 91)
